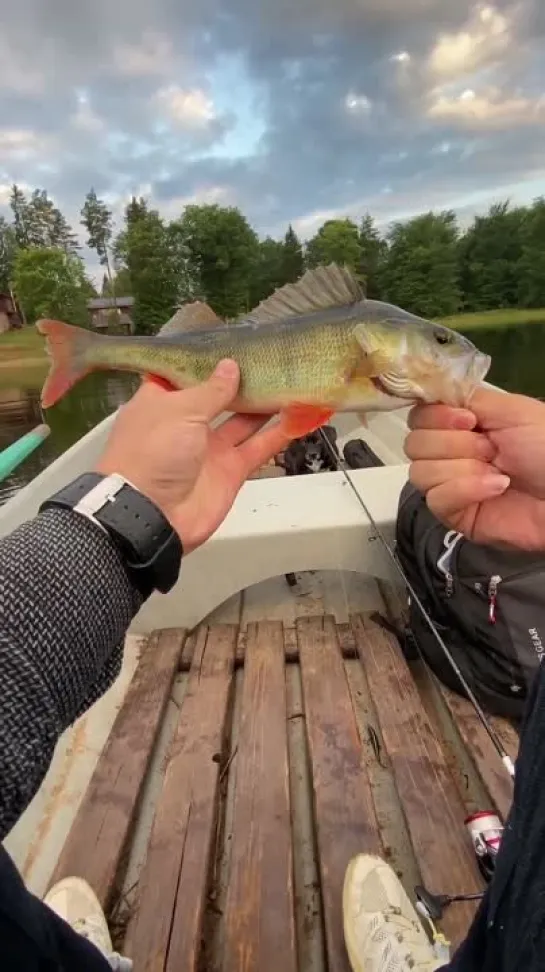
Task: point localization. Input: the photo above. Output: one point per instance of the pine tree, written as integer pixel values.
(97, 219)
(292, 260)
(19, 208)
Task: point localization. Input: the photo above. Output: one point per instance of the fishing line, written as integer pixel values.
(493, 736)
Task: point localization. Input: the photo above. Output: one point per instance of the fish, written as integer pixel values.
(313, 348)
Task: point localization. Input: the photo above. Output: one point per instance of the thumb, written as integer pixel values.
(213, 396)
(495, 410)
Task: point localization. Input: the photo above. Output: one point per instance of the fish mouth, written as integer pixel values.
(453, 385)
(471, 377)
(479, 367)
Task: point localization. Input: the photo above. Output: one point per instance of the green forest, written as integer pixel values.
(429, 265)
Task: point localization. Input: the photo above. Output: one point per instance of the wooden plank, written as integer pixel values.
(497, 783)
(259, 923)
(345, 817)
(165, 930)
(345, 635)
(187, 652)
(429, 796)
(98, 838)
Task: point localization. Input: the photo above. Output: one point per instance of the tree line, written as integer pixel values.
(429, 264)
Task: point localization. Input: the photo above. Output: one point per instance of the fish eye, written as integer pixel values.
(442, 337)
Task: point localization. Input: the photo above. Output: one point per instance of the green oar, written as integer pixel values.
(15, 454)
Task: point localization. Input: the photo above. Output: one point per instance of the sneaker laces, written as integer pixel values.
(408, 935)
(91, 930)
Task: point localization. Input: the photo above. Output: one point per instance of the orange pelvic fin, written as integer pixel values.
(299, 420)
(162, 382)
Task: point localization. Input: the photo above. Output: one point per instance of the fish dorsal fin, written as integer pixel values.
(191, 317)
(318, 289)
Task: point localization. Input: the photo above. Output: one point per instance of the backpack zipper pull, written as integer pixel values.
(443, 564)
(495, 580)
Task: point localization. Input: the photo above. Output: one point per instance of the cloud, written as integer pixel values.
(18, 74)
(19, 145)
(295, 110)
(148, 58)
(85, 118)
(485, 37)
(186, 108)
(357, 104)
(489, 110)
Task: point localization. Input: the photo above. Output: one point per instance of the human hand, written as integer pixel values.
(483, 468)
(163, 444)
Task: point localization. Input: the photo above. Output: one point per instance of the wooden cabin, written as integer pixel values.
(10, 317)
(107, 312)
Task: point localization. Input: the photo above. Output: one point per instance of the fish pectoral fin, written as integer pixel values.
(318, 289)
(299, 419)
(363, 419)
(191, 317)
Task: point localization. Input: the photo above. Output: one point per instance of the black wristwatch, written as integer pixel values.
(152, 551)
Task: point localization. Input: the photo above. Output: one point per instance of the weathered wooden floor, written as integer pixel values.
(224, 846)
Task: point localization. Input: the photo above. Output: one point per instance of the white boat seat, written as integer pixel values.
(283, 525)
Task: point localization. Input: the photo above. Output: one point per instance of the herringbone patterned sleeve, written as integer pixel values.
(65, 605)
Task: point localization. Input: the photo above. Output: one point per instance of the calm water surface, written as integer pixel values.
(96, 397)
(518, 355)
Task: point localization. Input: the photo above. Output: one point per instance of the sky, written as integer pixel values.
(294, 110)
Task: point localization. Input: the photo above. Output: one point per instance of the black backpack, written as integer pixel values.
(488, 604)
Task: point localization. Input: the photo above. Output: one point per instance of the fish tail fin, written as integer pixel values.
(68, 348)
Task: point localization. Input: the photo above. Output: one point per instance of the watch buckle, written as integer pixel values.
(100, 495)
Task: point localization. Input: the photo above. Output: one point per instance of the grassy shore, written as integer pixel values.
(20, 346)
(496, 318)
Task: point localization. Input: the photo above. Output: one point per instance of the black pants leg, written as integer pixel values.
(508, 934)
(33, 938)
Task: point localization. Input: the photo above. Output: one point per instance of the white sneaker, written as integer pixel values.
(75, 901)
(382, 930)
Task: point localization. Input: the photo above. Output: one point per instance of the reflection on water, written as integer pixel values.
(517, 354)
(96, 397)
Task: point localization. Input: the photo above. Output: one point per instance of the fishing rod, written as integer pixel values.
(492, 734)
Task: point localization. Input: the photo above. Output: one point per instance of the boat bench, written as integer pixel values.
(218, 839)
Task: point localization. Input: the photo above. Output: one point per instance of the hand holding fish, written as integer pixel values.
(163, 444)
(483, 469)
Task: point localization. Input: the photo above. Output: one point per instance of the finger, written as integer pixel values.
(440, 417)
(500, 410)
(434, 444)
(448, 499)
(261, 447)
(238, 428)
(426, 474)
(212, 397)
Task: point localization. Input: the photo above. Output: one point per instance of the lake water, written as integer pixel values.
(96, 397)
(518, 355)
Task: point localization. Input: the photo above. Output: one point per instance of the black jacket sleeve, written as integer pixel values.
(66, 602)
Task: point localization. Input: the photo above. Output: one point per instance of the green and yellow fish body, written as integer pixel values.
(313, 348)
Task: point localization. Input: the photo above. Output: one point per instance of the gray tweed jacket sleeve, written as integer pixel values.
(65, 605)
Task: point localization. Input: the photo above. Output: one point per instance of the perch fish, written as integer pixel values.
(313, 348)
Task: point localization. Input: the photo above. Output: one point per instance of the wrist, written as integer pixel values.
(150, 548)
(143, 484)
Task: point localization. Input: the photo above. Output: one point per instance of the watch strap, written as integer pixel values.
(150, 546)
